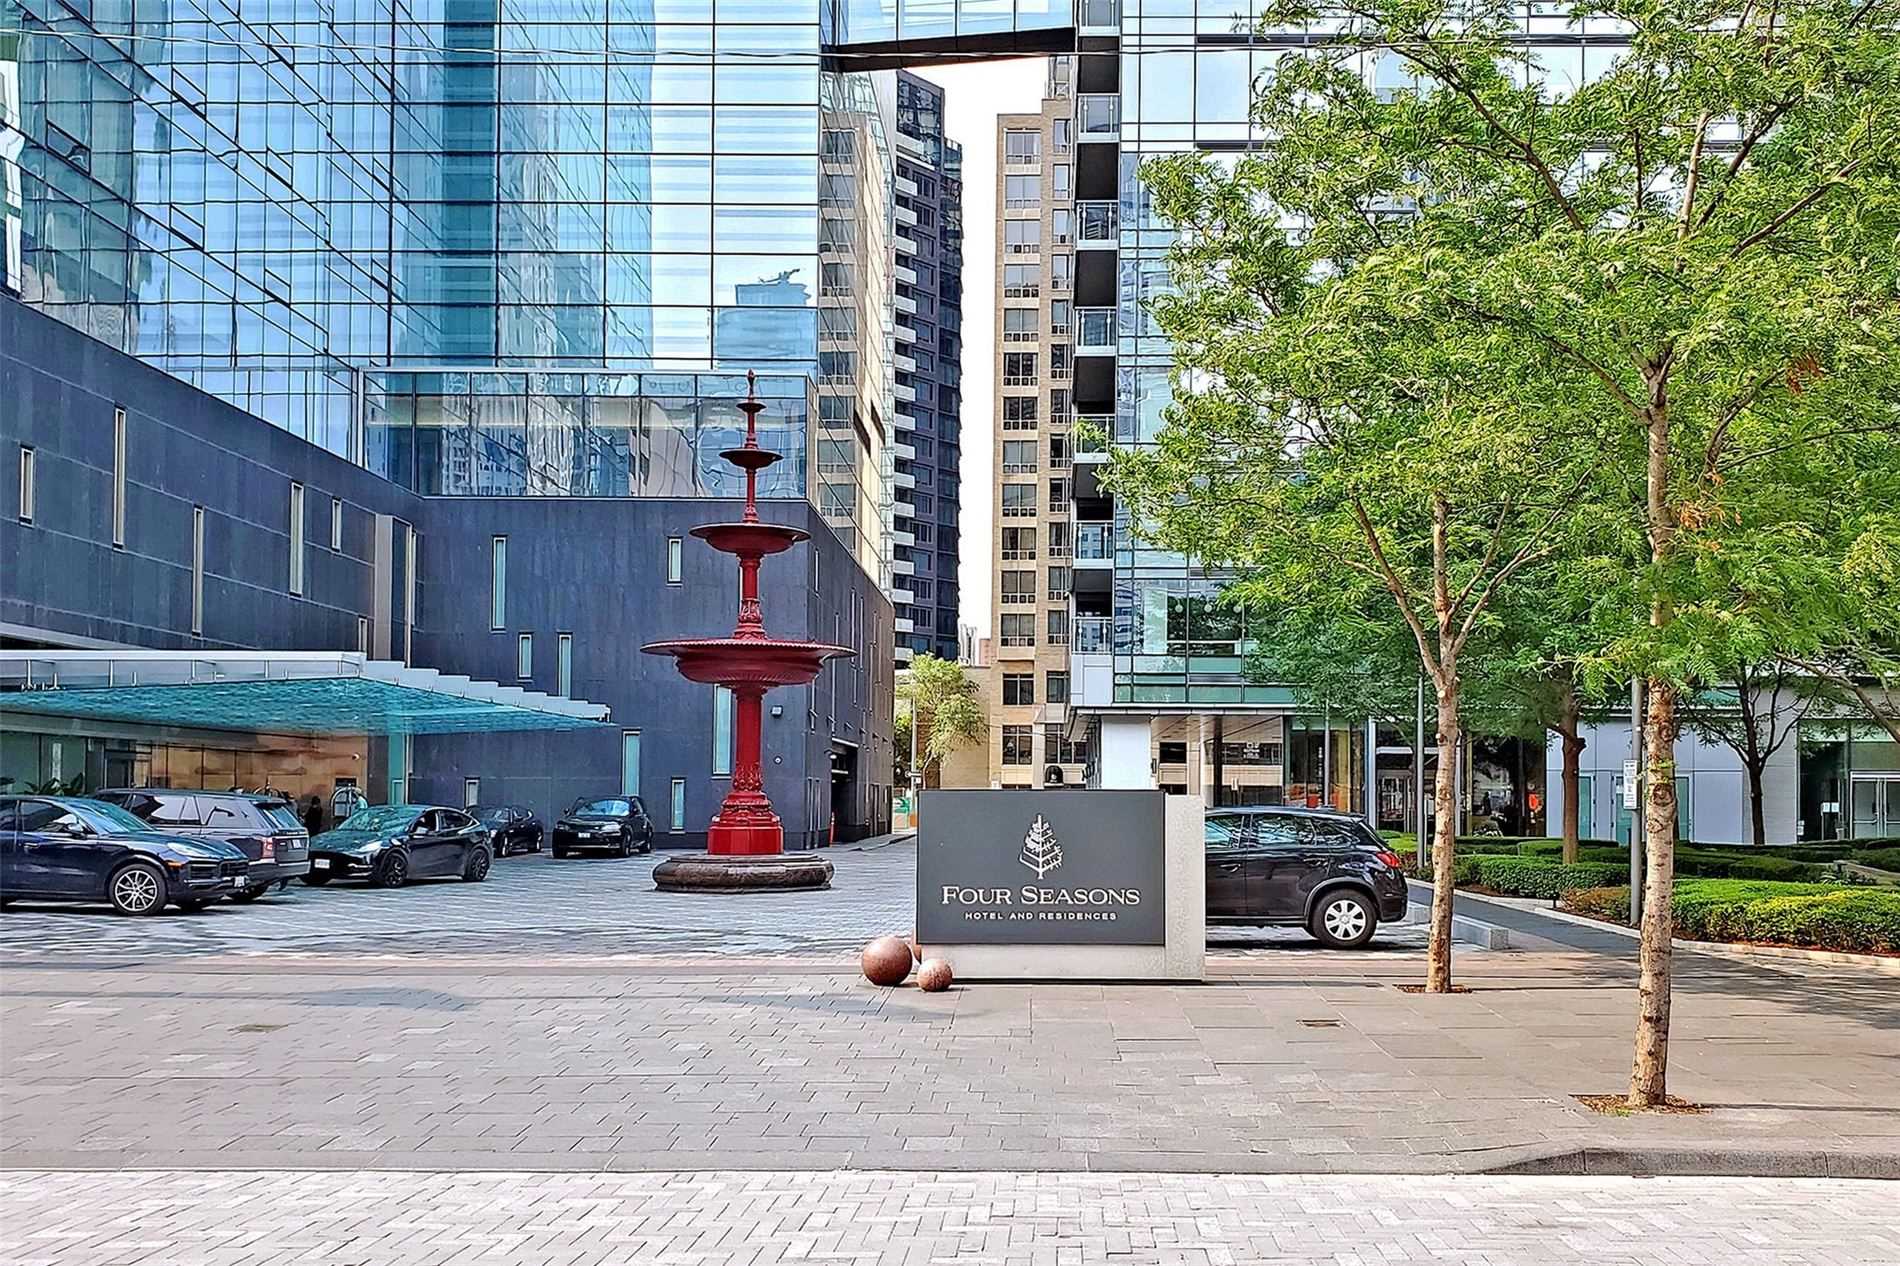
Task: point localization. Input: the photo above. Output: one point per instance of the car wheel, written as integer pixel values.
(477, 868)
(534, 845)
(394, 872)
(559, 851)
(1344, 920)
(137, 889)
(317, 878)
(195, 905)
(245, 896)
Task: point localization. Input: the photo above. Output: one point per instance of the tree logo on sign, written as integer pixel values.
(1042, 851)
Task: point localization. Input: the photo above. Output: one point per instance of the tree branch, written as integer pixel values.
(1397, 588)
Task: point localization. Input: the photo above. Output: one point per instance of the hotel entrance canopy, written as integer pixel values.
(280, 692)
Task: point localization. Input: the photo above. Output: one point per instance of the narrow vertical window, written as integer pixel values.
(27, 474)
(675, 560)
(471, 792)
(678, 816)
(118, 478)
(498, 586)
(564, 666)
(722, 730)
(411, 562)
(296, 538)
(197, 570)
(362, 634)
(336, 525)
(629, 762)
(524, 656)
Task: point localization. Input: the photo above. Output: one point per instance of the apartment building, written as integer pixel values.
(1033, 549)
(928, 438)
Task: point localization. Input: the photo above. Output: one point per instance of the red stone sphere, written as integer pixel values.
(886, 961)
(934, 976)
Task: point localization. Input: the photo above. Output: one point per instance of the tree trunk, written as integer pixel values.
(1568, 729)
(1650, 1065)
(1444, 840)
(1757, 820)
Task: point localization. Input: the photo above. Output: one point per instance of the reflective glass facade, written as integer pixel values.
(291, 206)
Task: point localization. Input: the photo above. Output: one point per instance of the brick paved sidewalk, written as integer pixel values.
(1296, 1061)
(972, 1219)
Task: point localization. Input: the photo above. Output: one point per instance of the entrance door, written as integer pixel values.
(1586, 793)
(1875, 805)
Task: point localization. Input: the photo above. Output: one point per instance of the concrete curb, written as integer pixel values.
(1735, 949)
(1719, 1162)
(1463, 928)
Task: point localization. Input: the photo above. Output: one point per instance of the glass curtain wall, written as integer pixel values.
(1186, 74)
(580, 190)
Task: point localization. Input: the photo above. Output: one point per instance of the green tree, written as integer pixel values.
(1753, 713)
(1689, 259)
(1424, 305)
(939, 699)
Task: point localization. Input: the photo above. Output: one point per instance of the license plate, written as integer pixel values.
(322, 863)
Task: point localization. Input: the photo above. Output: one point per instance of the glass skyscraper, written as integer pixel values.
(480, 247)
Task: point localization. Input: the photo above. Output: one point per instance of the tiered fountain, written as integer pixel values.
(745, 843)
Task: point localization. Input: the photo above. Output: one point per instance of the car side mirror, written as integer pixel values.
(75, 830)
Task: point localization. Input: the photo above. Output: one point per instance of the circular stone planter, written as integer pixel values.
(708, 872)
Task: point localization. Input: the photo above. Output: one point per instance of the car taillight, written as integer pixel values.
(1392, 860)
(270, 850)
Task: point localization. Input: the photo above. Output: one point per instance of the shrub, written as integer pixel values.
(1878, 858)
(1604, 903)
(1817, 915)
(1534, 877)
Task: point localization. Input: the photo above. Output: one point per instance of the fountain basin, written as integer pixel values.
(742, 661)
(750, 539)
(710, 872)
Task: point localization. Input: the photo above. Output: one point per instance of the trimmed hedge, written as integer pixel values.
(1533, 877)
(1817, 916)
(1878, 858)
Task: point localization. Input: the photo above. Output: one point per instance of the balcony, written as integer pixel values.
(905, 393)
(1098, 116)
(1091, 436)
(906, 304)
(1094, 543)
(1095, 331)
(906, 275)
(905, 245)
(1096, 224)
(906, 216)
(1099, 17)
(1093, 635)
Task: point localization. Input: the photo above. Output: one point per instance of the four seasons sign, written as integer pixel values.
(1094, 862)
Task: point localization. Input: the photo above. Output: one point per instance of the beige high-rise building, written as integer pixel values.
(1026, 683)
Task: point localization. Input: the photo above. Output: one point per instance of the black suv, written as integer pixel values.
(264, 828)
(1326, 872)
(69, 848)
(618, 824)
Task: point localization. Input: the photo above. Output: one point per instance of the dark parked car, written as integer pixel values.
(390, 844)
(618, 824)
(265, 829)
(511, 827)
(1326, 872)
(65, 848)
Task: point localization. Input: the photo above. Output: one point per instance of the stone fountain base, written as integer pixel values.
(723, 872)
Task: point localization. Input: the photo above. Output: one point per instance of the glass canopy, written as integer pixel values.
(288, 692)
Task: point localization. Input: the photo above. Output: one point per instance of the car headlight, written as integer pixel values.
(612, 828)
(374, 847)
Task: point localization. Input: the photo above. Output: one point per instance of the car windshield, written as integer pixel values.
(108, 819)
(602, 808)
(382, 817)
(498, 813)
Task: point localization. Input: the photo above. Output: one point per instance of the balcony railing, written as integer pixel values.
(1094, 635)
(1096, 222)
(1098, 115)
(1095, 330)
(1019, 468)
(1099, 14)
(1094, 542)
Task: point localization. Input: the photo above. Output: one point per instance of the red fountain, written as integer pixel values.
(745, 843)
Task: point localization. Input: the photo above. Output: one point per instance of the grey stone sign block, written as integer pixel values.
(1041, 868)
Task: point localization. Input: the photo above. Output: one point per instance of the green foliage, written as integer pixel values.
(1529, 877)
(943, 701)
(1817, 916)
(1878, 858)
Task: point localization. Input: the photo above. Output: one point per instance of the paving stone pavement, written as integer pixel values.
(532, 904)
(971, 1219)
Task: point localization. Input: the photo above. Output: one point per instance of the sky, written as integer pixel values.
(973, 96)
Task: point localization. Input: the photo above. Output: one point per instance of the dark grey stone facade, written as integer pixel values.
(593, 568)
